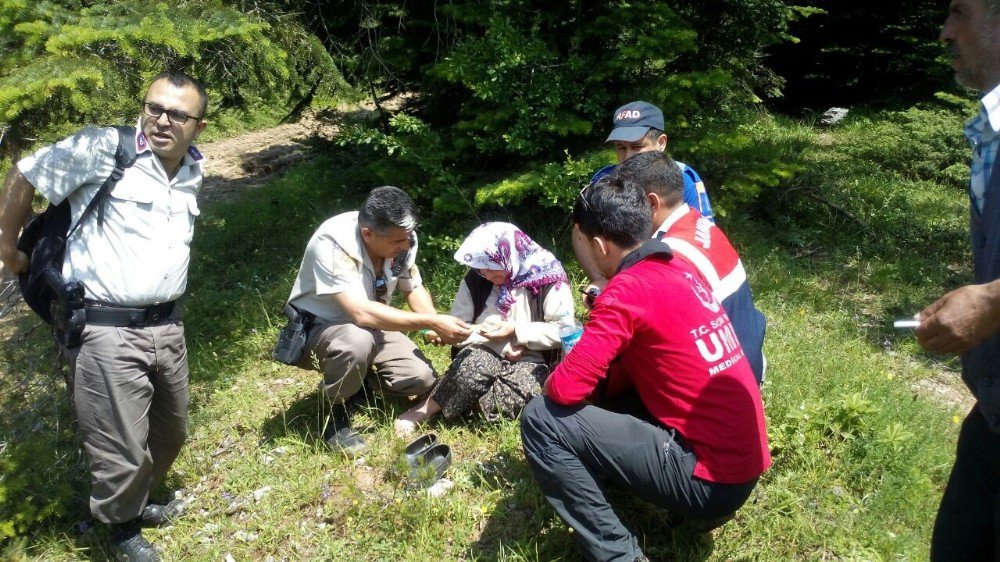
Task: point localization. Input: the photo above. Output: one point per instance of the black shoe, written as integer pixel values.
(157, 515)
(339, 434)
(128, 545)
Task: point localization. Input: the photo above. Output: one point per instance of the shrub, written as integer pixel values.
(505, 84)
(858, 52)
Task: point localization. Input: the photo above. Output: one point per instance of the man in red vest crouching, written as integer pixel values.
(697, 444)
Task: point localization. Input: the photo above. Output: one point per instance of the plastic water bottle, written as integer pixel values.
(570, 331)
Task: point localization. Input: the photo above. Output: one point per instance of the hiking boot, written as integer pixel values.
(157, 515)
(128, 544)
(340, 436)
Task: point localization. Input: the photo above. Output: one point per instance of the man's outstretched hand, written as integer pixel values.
(449, 329)
(960, 320)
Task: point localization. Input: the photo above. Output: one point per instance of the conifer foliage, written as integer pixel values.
(65, 62)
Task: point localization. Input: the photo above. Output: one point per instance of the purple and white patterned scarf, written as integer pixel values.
(503, 246)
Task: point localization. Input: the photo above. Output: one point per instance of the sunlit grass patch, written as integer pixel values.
(861, 448)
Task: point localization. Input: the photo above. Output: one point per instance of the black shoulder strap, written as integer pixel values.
(479, 289)
(538, 303)
(125, 157)
(550, 356)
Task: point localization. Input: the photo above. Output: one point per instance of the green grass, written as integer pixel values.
(847, 241)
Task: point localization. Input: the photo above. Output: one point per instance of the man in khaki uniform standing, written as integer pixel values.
(130, 374)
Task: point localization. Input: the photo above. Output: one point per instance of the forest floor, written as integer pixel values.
(248, 160)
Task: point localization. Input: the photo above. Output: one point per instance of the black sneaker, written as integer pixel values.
(340, 436)
(157, 515)
(128, 544)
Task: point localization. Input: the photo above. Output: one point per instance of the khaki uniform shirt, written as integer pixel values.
(336, 262)
(140, 255)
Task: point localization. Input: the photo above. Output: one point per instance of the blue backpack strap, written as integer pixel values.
(605, 171)
(695, 194)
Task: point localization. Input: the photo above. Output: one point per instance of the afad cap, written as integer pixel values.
(633, 120)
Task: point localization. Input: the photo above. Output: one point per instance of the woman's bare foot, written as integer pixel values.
(407, 422)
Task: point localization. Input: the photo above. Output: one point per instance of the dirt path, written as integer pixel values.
(247, 161)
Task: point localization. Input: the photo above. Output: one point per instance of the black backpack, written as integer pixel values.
(44, 238)
(480, 289)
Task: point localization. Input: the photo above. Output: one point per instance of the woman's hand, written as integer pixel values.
(515, 353)
(502, 332)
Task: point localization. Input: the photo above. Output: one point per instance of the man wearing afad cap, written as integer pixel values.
(638, 127)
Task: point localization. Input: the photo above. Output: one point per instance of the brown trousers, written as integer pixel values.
(345, 353)
(130, 392)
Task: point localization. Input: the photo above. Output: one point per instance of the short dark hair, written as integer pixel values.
(182, 80)
(614, 208)
(388, 207)
(653, 133)
(655, 172)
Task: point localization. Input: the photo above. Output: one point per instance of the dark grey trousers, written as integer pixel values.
(968, 522)
(130, 392)
(571, 450)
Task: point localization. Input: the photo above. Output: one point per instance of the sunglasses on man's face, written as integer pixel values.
(381, 286)
(176, 117)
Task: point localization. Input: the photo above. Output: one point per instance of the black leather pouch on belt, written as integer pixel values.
(68, 316)
(292, 338)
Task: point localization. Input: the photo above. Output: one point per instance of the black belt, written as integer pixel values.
(123, 316)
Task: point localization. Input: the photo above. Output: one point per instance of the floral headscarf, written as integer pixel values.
(501, 245)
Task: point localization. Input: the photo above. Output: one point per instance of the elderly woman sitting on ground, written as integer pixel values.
(517, 295)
